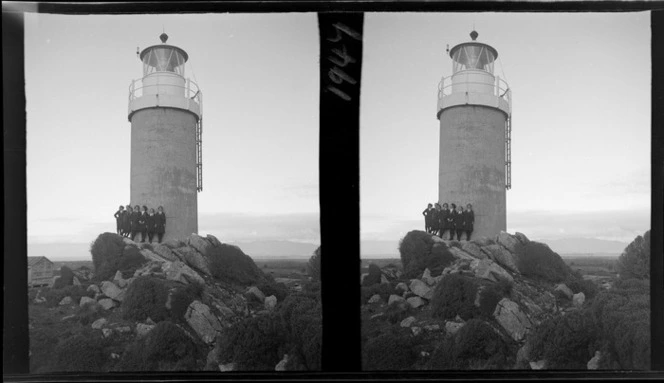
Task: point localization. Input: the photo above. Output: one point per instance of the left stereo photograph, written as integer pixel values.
(173, 192)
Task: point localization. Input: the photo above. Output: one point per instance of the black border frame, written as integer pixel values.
(339, 187)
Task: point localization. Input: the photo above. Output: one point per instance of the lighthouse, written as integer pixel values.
(475, 109)
(165, 111)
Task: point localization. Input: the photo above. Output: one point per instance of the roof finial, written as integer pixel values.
(473, 35)
(163, 37)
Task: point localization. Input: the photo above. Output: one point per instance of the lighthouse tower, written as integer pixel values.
(165, 111)
(474, 109)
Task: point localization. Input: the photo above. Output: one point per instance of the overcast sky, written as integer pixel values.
(580, 127)
(259, 78)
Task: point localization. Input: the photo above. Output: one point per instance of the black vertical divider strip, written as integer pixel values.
(15, 299)
(340, 70)
(657, 190)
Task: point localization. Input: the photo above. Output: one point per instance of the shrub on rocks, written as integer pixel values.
(418, 252)
(109, 255)
(165, 348)
(270, 287)
(577, 284)
(81, 352)
(389, 351)
(374, 276)
(182, 297)
(565, 342)
(229, 263)
(253, 344)
(537, 260)
(66, 278)
(301, 317)
(475, 346)
(455, 295)
(146, 297)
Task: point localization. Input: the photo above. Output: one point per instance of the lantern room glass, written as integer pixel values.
(473, 56)
(163, 59)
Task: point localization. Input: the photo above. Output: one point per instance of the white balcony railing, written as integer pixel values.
(471, 83)
(189, 90)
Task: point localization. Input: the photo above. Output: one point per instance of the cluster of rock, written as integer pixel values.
(529, 303)
(185, 262)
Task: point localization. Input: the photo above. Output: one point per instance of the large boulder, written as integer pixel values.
(99, 323)
(593, 363)
(489, 270)
(499, 254)
(164, 252)
(407, 322)
(152, 256)
(395, 299)
(508, 241)
(522, 238)
(86, 300)
(66, 301)
(194, 259)
(213, 240)
(256, 293)
(270, 302)
(415, 302)
(200, 318)
(401, 286)
(178, 271)
(472, 249)
(112, 291)
(421, 289)
(565, 290)
(460, 254)
(199, 243)
(281, 366)
(94, 289)
(106, 303)
(578, 299)
(512, 319)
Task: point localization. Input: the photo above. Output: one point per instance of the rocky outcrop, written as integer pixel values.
(421, 289)
(255, 293)
(200, 319)
(193, 259)
(164, 252)
(106, 303)
(87, 301)
(512, 319)
(472, 249)
(178, 271)
(408, 322)
(416, 302)
(593, 363)
(202, 245)
(99, 323)
(489, 270)
(565, 290)
(395, 299)
(112, 291)
(499, 254)
(508, 241)
(578, 299)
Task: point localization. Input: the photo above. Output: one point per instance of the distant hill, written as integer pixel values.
(389, 249)
(276, 248)
(584, 245)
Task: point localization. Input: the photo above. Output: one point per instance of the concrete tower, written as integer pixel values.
(165, 111)
(474, 109)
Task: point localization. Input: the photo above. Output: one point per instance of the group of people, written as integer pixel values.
(449, 218)
(131, 222)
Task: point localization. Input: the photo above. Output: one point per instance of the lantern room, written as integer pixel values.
(163, 58)
(473, 55)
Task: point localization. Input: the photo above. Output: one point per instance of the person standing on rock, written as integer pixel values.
(451, 220)
(143, 223)
(442, 220)
(470, 220)
(135, 224)
(118, 219)
(150, 223)
(435, 218)
(126, 222)
(427, 218)
(460, 222)
(160, 223)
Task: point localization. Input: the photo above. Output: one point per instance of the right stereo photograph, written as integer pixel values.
(505, 191)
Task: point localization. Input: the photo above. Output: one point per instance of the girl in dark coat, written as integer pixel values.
(135, 222)
(118, 219)
(160, 223)
(460, 222)
(435, 219)
(444, 214)
(427, 218)
(150, 223)
(470, 220)
(451, 220)
(142, 223)
(126, 222)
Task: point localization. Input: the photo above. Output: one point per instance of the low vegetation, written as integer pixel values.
(455, 295)
(537, 260)
(418, 252)
(109, 254)
(229, 263)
